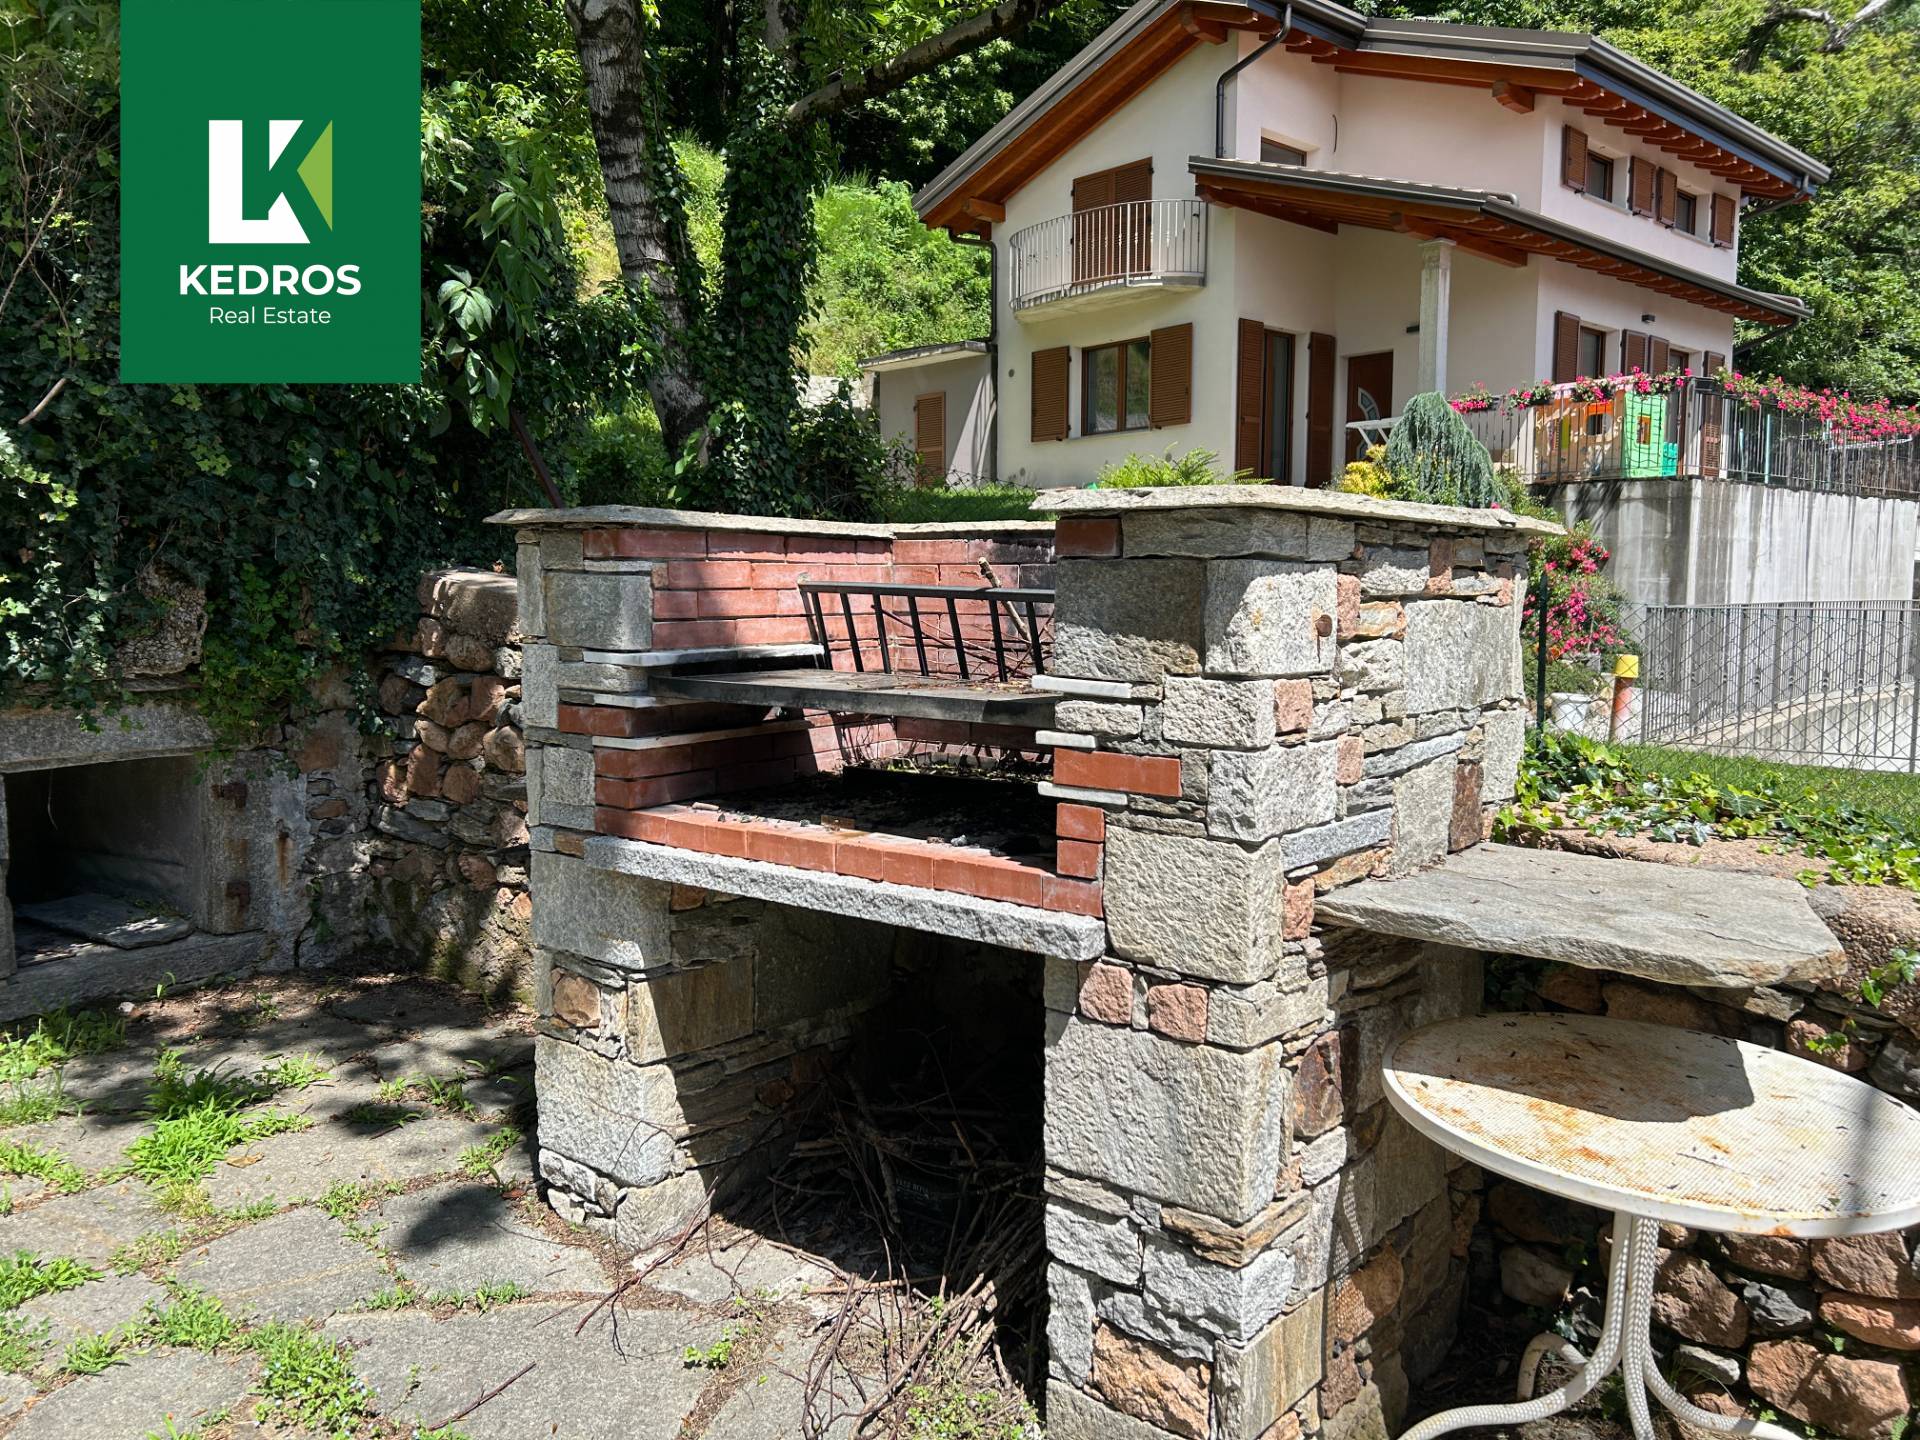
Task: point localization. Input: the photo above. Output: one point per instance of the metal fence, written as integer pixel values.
(1695, 430)
(1134, 242)
(1812, 683)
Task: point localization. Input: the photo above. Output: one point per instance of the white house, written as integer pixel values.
(1243, 226)
(941, 398)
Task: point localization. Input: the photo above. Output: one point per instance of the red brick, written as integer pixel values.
(997, 879)
(693, 634)
(704, 574)
(862, 856)
(1080, 859)
(1095, 535)
(643, 544)
(909, 862)
(642, 764)
(1080, 822)
(757, 774)
(804, 848)
(647, 825)
(676, 604)
(711, 835)
(1105, 770)
(909, 550)
(746, 545)
(609, 720)
(763, 601)
(933, 732)
(643, 794)
(1076, 897)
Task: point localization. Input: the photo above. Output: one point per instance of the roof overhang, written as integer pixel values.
(1485, 223)
(1514, 66)
(924, 355)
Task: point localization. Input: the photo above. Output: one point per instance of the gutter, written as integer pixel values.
(1227, 75)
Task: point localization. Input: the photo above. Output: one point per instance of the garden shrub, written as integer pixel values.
(1147, 472)
(1435, 458)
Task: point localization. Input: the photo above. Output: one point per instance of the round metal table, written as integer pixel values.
(1654, 1124)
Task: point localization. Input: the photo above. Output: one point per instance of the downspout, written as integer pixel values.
(993, 347)
(1220, 85)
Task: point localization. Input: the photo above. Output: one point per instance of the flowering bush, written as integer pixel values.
(1583, 608)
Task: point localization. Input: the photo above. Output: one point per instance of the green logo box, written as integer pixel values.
(270, 191)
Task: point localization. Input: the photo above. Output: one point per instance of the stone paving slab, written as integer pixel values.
(404, 1005)
(89, 1226)
(93, 1142)
(748, 1266)
(93, 1309)
(15, 1391)
(301, 1164)
(112, 1082)
(127, 1401)
(109, 920)
(299, 1264)
(425, 1370)
(465, 1052)
(456, 1238)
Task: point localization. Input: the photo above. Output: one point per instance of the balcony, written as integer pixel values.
(1099, 256)
(1690, 429)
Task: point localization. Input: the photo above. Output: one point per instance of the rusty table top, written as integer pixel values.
(1663, 1123)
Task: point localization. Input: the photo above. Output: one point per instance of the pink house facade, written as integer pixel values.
(1251, 229)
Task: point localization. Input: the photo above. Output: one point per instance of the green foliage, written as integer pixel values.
(190, 1318)
(294, 1072)
(24, 1275)
(28, 1102)
(307, 1380)
(159, 1247)
(1436, 459)
(197, 1120)
(21, 1340)
(90, 1354)
(1150, 472)
(926, 504)
(56, 1038)
(478, 1160)
(60, 1173)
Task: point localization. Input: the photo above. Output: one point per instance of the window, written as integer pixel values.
(1116, 386)
(1600, 176)
(1593, 349)
(1679, 359)
(1278, 152)
(1686, 213)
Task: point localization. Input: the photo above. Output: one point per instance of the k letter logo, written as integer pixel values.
(270, 207)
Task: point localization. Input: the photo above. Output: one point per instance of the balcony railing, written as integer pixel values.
(1695, 430)
(1139, 242)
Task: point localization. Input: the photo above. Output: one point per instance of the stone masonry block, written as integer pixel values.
(1209, 908)
(1256, 1383)
(1069, 1322)
(683, 1011)
(618, 1120)
(605, 916)
(1104, 1245)
(1257, 794)
(1190, 1125)
(1422, 815)
(1504, 734)
(1372, 665)
(1210, 534)
(599, 611)
(1095, 717)
(1131, 620)
(566, 775)
(533, 594)
(1075, 1415)
(814, 964)
(539, 687)
(1235, 1301)
(1236, 714)
(1262, 618)
(1393, 571)
(1461, 655)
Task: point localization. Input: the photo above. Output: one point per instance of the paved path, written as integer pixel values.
(380, 1268)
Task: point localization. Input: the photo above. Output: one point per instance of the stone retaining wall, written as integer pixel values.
(447, 809)
(1826, 1332)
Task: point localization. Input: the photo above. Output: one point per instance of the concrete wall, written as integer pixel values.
(1719, 542)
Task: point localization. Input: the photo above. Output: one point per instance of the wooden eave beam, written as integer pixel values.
(1470, 240)
(1517, 98)
(979, 208)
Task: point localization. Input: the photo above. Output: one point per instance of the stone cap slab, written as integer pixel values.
(593, 517)
(1287, 497)
(1668, 923)
(938, 912)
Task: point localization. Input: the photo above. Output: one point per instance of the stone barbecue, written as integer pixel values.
(1256, 695)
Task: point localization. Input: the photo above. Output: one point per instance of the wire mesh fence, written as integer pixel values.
(1820, 683)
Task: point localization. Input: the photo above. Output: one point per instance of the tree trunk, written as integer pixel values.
(649, 226)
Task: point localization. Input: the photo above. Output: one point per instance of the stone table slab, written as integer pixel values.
(291, 1267)
(456, 1238)
(109, 920)
(873, 693)
(137, 1398)
(636, 1388)
(1667, 923)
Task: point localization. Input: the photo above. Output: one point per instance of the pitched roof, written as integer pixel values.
(1583, 71)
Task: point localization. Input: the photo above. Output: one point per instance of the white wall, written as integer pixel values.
(964, 381)
(1439, 135)
(1613, 305)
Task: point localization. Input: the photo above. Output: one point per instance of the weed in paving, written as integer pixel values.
(40, 1163)
(159, 1247)
(21, 1341)
(57, 1038)
(478, 1160)
(24, 1275)
(90, 1354)
(191, 1319)
(307, 1380)
(33, 1102)
(294, 1072)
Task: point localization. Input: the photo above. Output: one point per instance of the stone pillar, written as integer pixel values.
(1436, 301)
(1266, 692)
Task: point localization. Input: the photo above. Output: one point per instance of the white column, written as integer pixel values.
(1436, 298)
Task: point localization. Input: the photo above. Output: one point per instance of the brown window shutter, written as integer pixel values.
(1049, 381)
(1723, 209)
(1320, 368)
(1566, 347)
(1170, 397)
(1573, 158)
(930, 435)
(1133, 182)
(1666, 196)
(1091, 191)
(1659, 356)
(1712, 365)
(1639, 186)
(1249, 395)
(1633, 351)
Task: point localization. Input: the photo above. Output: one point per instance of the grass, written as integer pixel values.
(343, 1198)
(20, 1342)
(90, 1354)
(307, 1380)
(17, 1158)
(24, 1276)
(478, 1160)
(936, 503)
(198, 1118)
(394, 1297)
(159, 1247)
(190, 1319)
(33, 1102)
(57, 1038)
(373, 1116)
(294, 1072)
(1896, 797)
(481, 1297)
